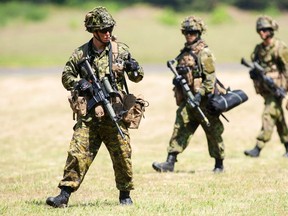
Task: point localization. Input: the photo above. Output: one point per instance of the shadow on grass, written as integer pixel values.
(95, 203)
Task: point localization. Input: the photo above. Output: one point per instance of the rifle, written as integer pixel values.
(258, 72)
(187, 91)
(100, 94)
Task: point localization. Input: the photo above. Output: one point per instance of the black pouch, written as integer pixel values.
(218, 103)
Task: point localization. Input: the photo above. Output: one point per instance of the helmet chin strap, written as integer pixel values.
(196, 39)
(269, 36)
(98, 39)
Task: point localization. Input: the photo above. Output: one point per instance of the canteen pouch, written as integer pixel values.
(218, 103)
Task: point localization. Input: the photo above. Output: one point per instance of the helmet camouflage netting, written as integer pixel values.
(193, 23)
(97, 19)
(266, 22)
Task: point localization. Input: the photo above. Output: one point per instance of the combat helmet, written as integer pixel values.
(192, 23)
(97, 19)
(266, 22)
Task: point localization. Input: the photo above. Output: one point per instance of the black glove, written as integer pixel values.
(84, 88)
(253, 74)
(182, 69)
(278, 94)
(197, 99)
(131, 65)
(177, 81)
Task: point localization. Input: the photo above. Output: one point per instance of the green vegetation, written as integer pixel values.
(168, 17)
(220, 15)
(12, 11)
(28, 40)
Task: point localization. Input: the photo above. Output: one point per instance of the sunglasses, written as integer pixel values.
(264, 30)
(105, 30)
(190, 32)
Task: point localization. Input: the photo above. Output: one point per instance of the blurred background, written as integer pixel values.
(38, 37)
(43, 33)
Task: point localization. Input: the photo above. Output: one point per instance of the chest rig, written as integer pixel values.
(189, 64)
(268, 58)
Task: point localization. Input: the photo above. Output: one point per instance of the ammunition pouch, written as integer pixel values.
(135, 107)
(218, 103)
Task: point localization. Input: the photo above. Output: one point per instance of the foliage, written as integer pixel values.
(220, 15)
(25, 11)
(168, 17)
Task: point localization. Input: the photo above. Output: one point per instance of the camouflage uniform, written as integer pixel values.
(93, 129)
(90, 131)
(274, 59)
(196, 64)
(187, 119)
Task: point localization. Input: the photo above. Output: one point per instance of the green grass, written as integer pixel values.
(36, 127)
(153, 34)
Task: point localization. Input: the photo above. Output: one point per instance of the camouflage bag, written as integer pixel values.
(135, 107)
(78, 105)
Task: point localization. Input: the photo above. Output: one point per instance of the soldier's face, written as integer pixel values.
(105, 34)
(190, 36)
(264, 33)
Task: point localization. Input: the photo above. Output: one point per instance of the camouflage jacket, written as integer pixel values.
(274, 60)
(100, 65)
(199, 61)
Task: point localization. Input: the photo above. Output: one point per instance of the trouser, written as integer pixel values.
(272, 115)
(187, 121)
(84, 146)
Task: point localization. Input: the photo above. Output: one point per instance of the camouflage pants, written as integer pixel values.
(272, 115)
(84, 146)
(186, 123)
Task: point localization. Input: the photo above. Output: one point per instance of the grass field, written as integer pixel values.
(37, 123)
(151, 40)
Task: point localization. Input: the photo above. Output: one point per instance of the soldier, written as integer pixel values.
(91, 130)
(272, 55)
(196, 64)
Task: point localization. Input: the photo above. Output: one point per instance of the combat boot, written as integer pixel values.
(61, 200)
(124, 198)
(218, 166)
(255, 152)
(286, 147)
(167, 166)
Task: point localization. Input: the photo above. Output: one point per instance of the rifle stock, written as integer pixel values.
(100, 95)
(187, 91)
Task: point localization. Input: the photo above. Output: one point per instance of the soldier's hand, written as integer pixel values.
(197, 99)
(253, 74)
(131, 64)
(177, 81)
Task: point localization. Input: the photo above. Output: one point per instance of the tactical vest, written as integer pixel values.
(190, 61)
(268, 58)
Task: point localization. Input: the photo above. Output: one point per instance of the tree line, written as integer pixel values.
(181, 5)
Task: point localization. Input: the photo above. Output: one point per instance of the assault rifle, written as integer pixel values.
(187, 91)
(100, 94)
(258, 72)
